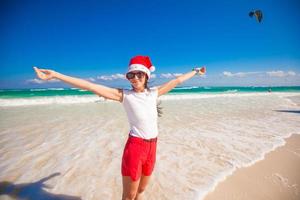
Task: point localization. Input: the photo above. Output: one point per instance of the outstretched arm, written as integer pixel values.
(163, 89)
(106, 92)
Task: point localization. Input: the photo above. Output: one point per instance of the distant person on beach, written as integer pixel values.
(140, 104)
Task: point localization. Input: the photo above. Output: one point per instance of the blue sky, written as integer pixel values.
(94, 40)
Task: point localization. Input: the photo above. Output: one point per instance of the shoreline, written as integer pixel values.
(275, 177)
(40, 141)
(92, 98)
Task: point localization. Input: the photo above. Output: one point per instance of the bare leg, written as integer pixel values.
(130, 188)
(142, 186)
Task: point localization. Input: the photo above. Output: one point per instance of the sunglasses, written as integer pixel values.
(131, 75)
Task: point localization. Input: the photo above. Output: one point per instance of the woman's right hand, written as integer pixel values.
(44, 74)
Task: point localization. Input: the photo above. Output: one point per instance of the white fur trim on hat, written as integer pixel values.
(139, 67)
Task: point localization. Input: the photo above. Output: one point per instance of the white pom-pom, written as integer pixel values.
(152, 69)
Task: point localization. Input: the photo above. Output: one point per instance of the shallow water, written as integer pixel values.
(202, 140)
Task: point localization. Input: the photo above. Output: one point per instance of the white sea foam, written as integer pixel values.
(185, 88)
(231, 91)
(42, 89)
(55, 88)
(73, 99)
(202, 140)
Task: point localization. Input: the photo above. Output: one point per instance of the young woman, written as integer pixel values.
(140, 104)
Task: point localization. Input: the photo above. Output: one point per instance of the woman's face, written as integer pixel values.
(137, 79)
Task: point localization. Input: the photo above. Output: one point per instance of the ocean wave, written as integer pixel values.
(186, 88)
(55, 88)
(204, 96)
(37, 90)
(11, 90)
(50, 100)
(73, 99)
(231, 91)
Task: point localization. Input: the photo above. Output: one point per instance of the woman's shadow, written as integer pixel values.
(32, 191)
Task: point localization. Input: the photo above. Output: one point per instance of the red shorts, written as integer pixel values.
(138, 157)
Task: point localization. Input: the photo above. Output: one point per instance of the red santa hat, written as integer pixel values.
(141, 63)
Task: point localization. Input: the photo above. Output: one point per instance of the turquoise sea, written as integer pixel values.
(43, 96)
(50, 92)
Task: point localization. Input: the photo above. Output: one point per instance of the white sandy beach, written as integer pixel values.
(201, 142)
(276, 177)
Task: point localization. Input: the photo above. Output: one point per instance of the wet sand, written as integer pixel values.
(276, 177)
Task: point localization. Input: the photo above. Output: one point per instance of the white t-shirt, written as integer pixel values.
(141, 112)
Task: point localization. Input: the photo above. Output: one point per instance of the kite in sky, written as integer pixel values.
(258, 15)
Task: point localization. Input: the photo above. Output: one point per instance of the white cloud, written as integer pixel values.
(239, 74)
(118, 76)
(91, 79)
(280, 73)
(291, 73)
(153, 75)
(170, 75)
(228, 74)
(274, 74)
(177, 74)
(105, 78)
(39, 81)
(111, 77)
